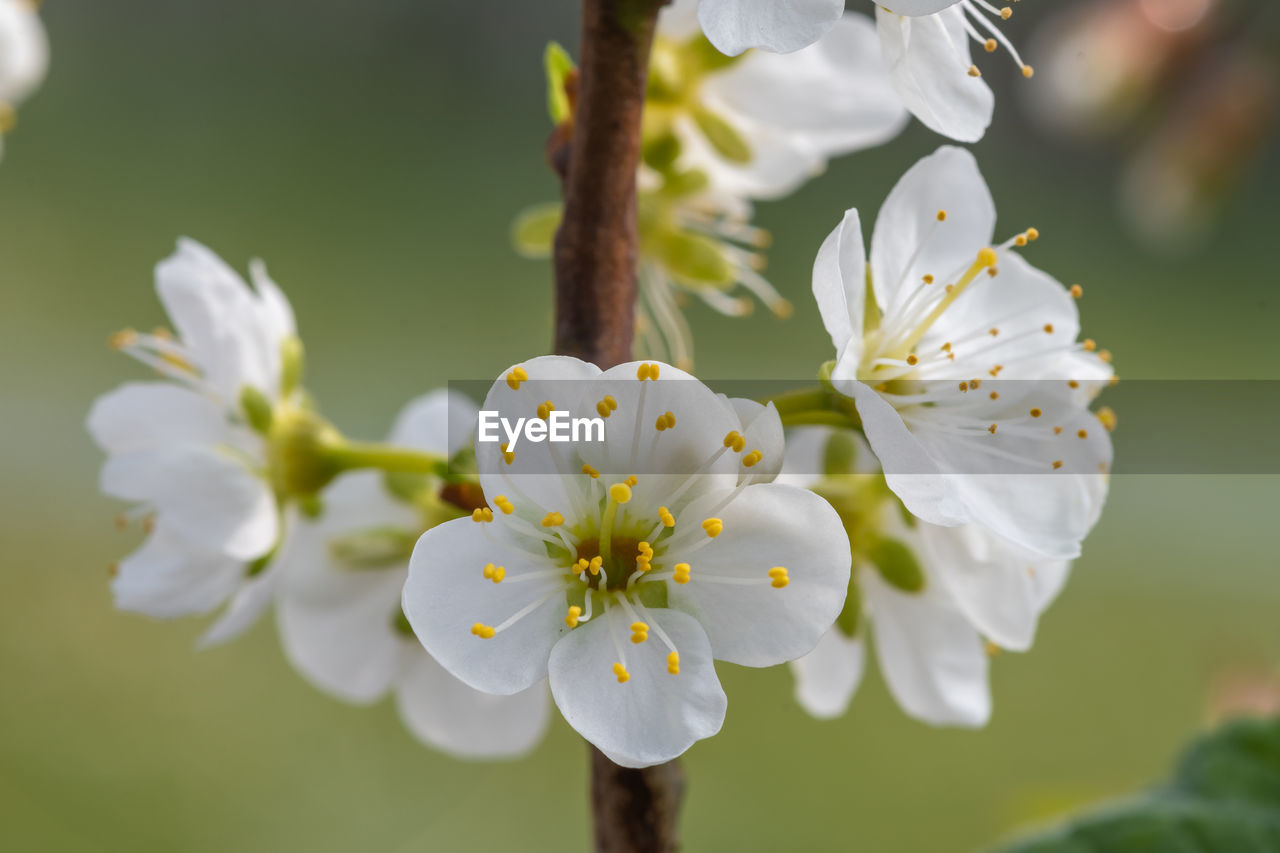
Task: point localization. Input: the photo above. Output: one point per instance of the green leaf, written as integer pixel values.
(1224, 796)
(559, 65)
(534, 231)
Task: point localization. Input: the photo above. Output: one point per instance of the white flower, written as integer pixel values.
(339, 602)
(24, 57)
(186, 450)
(923, 43)
(933, 596)
(622, 568)
(928, 360)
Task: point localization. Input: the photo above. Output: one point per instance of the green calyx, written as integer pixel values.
(300, 458)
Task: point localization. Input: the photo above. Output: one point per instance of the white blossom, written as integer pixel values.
(24, 58)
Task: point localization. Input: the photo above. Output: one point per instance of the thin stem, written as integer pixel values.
(359, 454)
(635, 810)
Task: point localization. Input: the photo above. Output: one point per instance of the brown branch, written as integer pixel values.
(595, 251)
(635, 811)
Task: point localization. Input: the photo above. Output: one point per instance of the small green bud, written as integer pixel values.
(850, 619)
(661, 151)
(724, 138)
(256, 408)
(840, 456)
(693, 260)
(297, 452)
(559, 65)
(681, 184)
(534, 232)
(896, 564)
(292, 364)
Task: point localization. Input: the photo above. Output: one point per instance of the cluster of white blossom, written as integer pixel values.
(24, 58)
(940, 510)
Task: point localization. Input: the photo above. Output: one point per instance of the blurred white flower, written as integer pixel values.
(24, 58)
(934, 597)
(924, 44)
(339, 602)
(927, 361)
(624, 587)
(192, 451)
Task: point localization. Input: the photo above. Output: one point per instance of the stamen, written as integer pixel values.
(621, 672)
(484, 632)
(574, 616)
(669, 520)
(591, 472)
(515, 377)
(494, 573)
(545, 410)
(504, 504)
(779, 577)
(681, 575)
(552, 519)
(481, 514)
(673, 663)
(752, 459)
(639, 632)
(713, 527)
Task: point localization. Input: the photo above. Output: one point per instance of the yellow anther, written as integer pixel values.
(1006, 13)
(992, 429)
(648, 370)
(571, 619)
(928, 279)
(581, 566)
(752, 459)
(595, 564)
(516, 376)
(1076, 291)
(987, 257)
(673, 663)
(545, 410)
(1048, 328)
(508, 456)
(552, 519)
(591, 472)
(994, 395)
(1021, 240)
(639, 632)
(1033, 234)
(668, 520)
(1084, 433)
(665, 421)
(1057, 464)
(992, 272)
(942, 216)
(122, 339)
(713, 527)
(621, 672)
(1071, 383)
(1057, 430)
(995, 369)
(603, 410)
(481, 514)
(993, 332)
(974, 72)
(913, 360)
(505, 505)
(1035, 412)
(1028, 71)
(964, 386)
(620, 492)
(483, 631)
(1107, 416)
(488, 571)
(1089, 344)
(974, 384)
(631, 482)
(610, 402)
(990, 45)
(1105, 355)
(778, 577)
(681, 573)
(946, 347)
(732, 438)
(646, 549)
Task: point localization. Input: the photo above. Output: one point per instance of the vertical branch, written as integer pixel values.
(595, 271)
(595, 250)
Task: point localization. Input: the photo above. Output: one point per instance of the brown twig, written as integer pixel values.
(635, 810)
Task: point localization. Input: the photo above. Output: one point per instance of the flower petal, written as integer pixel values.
(443, 421)
(840, 285)
(917, 7)
(929, 63)
(169, 577)
(208, 497)
(655, 716)
(146, 415)
(446, 594)
(446, 714)
(248, 604)
(765, 526)
(777, 25)
(24, 51)
(761, 426)
(932, 659)
(828, 676)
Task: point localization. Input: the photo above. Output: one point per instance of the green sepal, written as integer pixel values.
(840, 456)
(292, 364)
(257, 409)
(558, 64)
(896, 563)
(693, 260)
(706, 57)
(724, 138)
(850, 619)
(534, 231)
(686, 183)
(661, 151)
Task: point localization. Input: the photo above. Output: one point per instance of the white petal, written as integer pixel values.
(1000, 588)
(277, 320)
(653, 717)
(766, 526)
(932, 659)
(248, 604)
(761, 426)
(929, 63)
(806, 449)
(145, 415)
(840, 285)
(24, 51)
(781, 161)
(207, 496)
(909, 242)
(917, 7)
(833, 97)
(910, 471)
(679, 21)
(447, 715)
(442, 421)
(169, 577)
(446, 595)
(778, 25)
(828, 676)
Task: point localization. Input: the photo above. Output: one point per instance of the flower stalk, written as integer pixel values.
(595, 277)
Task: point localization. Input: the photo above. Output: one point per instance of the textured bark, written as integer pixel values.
(595, 249)
(636, 811)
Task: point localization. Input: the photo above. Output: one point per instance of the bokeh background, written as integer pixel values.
(374, 154)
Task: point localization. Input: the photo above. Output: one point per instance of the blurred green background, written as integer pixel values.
(374, 155)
